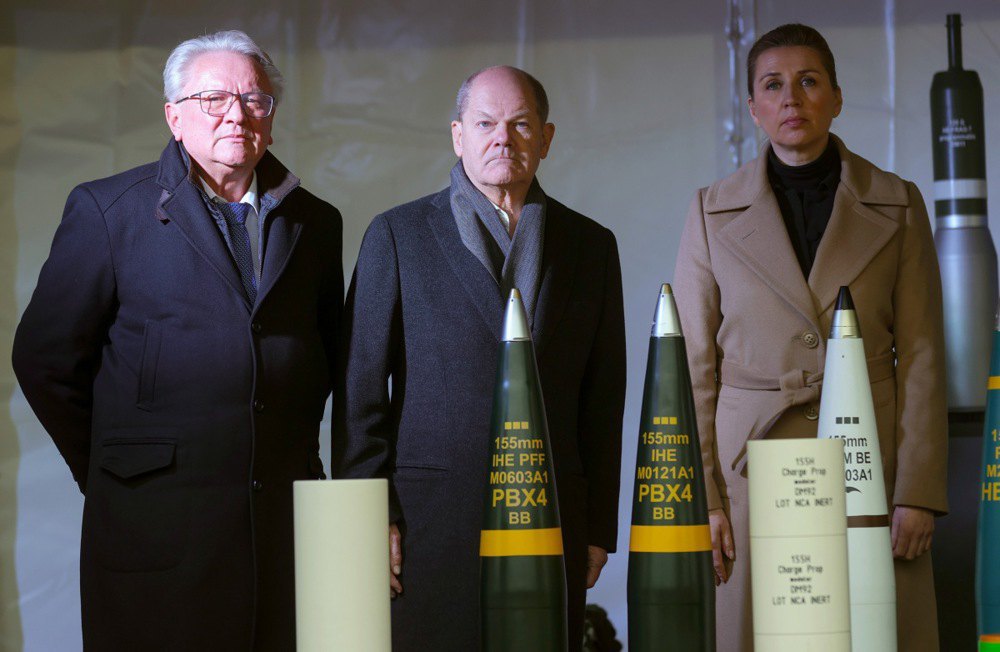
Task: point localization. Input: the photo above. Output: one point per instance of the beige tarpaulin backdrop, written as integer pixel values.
(639, 94)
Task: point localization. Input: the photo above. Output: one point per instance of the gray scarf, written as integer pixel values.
(513, 262)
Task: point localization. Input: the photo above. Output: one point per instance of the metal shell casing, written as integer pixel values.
(965, 249)
(671, 592)
(847, 413)
(987, 553)
(522, 572)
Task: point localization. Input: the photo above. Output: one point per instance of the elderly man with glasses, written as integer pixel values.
(179, 349)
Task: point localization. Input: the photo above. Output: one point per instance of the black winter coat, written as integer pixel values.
(423, 313)
(184, 412)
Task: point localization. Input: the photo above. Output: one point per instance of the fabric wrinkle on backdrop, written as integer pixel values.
(640, 97)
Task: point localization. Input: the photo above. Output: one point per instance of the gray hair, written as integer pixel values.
(541, 98)
(175, 72)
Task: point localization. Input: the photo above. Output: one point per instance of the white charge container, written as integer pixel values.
(798, 546)
(342, 565)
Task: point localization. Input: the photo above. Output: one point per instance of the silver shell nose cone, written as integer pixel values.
(515, 320)
(666, 322)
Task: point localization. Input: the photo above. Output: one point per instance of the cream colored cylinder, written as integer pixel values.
(342, 565)
(798, 545)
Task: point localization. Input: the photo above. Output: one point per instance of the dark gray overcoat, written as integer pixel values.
(424, 315)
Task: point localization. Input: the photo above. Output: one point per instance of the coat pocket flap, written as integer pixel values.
(128, 459)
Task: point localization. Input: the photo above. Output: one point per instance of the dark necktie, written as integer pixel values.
(236, 218)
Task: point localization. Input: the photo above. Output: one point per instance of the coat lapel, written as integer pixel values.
(185, 208)
(856, 231)
(759, 238)
(281, 231)
(280, 236)
(479, 285)
(559, 258)
(854, 235)
(182, 204)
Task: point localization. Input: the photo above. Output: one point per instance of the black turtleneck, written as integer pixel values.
(805, 195)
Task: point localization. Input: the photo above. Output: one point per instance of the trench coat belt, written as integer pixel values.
(778, 395)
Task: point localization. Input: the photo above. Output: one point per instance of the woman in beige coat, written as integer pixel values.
(761, 260)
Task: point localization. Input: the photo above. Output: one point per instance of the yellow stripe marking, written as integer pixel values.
(993, 383)
(514, 543)
(670, 538)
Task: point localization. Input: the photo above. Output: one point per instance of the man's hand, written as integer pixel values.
(596, 558)
(722, 543)
(395, 560)
(912, 531)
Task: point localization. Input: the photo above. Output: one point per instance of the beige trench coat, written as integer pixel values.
(756, 338)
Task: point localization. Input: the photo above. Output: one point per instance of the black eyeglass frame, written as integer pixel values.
(232, 98)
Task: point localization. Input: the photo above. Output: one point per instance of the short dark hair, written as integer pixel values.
(541, 98)
(791, 35)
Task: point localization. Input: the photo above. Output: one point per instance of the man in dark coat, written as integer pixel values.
(423, 320)
(179, 350)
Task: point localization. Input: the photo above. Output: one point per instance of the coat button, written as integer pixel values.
(256, 327)
(810, 339)
(811, 412)
(257, 485)
(258, 406)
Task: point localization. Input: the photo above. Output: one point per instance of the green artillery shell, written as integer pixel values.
(523, 577)
(671, 593)
(987, 552)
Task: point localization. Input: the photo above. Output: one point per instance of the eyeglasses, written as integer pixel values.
(218, 103)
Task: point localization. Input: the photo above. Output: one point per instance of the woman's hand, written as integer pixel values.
(912, 531)
(722, 544)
